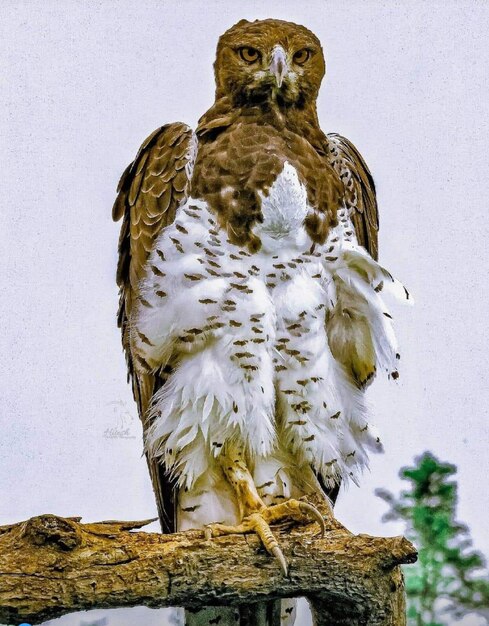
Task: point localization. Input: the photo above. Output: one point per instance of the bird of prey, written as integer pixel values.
(251, 300)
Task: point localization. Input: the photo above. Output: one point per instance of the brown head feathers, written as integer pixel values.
(268, 75)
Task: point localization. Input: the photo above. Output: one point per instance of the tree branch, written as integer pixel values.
(51, 565)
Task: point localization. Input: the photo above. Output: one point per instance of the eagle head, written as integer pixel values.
(269, 60)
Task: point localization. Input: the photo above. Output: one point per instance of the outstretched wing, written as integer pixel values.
(359, 190)
(149, 193)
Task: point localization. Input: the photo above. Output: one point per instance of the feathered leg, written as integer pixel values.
(255, 516)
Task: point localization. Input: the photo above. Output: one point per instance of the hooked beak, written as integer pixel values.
(278, 65)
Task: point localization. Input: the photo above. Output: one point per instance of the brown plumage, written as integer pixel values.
(149, 192)
(254, 126)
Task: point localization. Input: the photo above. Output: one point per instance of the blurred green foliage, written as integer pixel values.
(449, 578)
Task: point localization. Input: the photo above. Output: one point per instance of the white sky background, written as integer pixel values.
(85, 82)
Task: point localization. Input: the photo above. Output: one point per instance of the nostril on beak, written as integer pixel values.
(278, 65)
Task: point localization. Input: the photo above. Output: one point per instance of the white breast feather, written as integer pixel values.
(249, 336)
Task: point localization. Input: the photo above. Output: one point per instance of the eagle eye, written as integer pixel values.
(248, 54)
(301, 56)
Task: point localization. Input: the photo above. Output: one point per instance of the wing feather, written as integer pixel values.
(359, 189)
(148, 195)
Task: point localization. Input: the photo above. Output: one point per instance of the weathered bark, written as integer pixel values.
(50, 566)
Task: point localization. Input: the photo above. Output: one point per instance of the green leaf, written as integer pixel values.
(447, 566)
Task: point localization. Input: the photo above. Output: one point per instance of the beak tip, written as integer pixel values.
(278, 65)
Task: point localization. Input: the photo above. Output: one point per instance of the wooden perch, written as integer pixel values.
(51, 565)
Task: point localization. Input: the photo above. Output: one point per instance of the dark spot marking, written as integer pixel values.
(216, 325)
(176, 243)
(293, 326)
(181, 229)
(156, 270)
(191, 509)
(292, 352)
(142, 363)
(144, 339)
(239, 287)
(301, 407)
